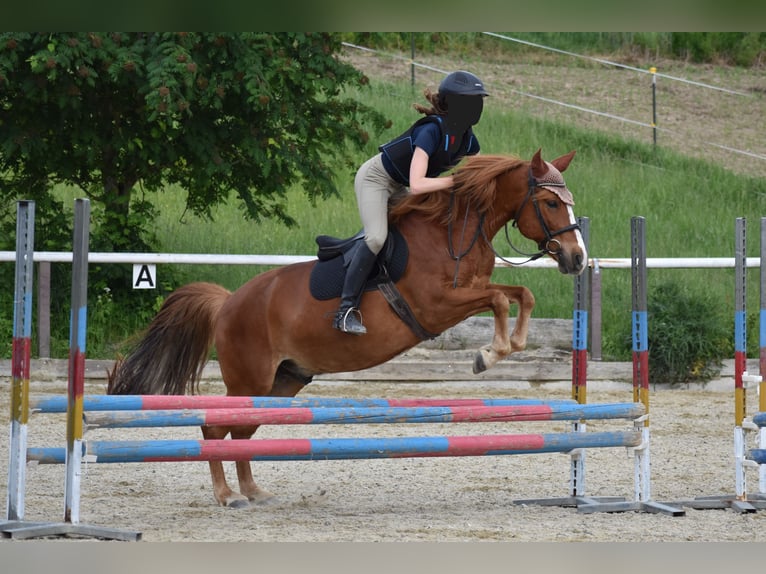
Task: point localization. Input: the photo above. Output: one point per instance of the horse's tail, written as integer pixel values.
(169, 358)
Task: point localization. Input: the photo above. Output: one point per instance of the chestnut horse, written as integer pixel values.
(272, 336)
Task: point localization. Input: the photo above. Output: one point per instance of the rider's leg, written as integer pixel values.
(373, 187)
(348, 318)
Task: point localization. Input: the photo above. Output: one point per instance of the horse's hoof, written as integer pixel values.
(479, 366)
(235, 500)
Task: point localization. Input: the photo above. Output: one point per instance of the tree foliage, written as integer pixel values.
(219, 114)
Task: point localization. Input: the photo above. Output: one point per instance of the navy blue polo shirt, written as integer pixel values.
(428, 137)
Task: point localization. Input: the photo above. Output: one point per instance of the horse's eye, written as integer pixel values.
(552, 203)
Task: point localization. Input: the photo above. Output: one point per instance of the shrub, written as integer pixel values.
(688, 335)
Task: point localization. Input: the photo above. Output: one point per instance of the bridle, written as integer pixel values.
(548, 246)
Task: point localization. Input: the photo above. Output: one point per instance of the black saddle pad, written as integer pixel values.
(326, 281)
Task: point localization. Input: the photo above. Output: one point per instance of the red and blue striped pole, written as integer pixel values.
(58, 404)
(338, 448)
(20, 361)
(361, 415)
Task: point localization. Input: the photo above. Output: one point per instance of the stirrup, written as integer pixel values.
(346, 320)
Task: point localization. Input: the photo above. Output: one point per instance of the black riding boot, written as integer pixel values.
(347, 317)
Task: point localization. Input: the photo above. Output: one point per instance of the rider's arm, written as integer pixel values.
(419, 183)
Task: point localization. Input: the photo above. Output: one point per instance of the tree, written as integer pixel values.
(216, 113)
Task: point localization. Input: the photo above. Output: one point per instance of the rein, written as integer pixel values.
(451, 249)
(549, 245)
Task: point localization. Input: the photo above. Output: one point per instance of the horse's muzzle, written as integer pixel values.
(571, 262)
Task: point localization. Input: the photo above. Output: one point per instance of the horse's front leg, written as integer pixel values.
(502, 343)
(285, 385)
(525, 300)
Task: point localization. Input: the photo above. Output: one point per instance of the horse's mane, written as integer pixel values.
(475, 182)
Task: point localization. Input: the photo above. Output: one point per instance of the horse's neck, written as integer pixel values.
(493, 223)
(465, 230)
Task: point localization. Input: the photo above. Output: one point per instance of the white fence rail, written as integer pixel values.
(218, 259)
(45, 258)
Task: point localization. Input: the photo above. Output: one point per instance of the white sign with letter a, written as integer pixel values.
(144, 276)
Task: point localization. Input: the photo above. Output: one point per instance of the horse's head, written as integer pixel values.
(546, 215)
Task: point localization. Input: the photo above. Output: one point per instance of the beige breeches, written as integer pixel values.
(374, 188)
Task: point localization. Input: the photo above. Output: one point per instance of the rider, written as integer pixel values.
(414, 160)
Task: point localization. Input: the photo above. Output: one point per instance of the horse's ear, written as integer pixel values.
(537, 164)
(562, 162)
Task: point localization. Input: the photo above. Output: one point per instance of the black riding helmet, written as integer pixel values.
(462, 95)
(463, 84)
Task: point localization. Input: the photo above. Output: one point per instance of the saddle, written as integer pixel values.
(334, 254)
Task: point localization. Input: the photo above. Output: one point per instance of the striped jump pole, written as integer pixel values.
(58, 404)
(640, 337)
(361, 415)
(742, 424)
(20, 363)
(336, 448)
(740, 354)
(580, 363)
(76, 380)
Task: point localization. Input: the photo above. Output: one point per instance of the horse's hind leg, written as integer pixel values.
(504, 344)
